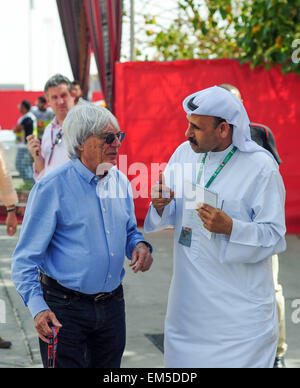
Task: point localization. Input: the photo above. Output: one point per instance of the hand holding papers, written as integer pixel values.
(193, 195)
(215, 220)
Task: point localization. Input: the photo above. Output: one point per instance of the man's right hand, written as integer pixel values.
(34, 146)
(161, 195)
(41, 321)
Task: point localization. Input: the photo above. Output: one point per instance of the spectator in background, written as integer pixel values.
(263, 136)
(50, 152)
(9, 198)
(25, 123)
(23, 129)
(77, 90)
(8, 195)
(43, 114)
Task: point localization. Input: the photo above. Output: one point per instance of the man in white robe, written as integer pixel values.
(221, 308)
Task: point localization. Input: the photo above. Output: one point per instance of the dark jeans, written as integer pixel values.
(93, 333)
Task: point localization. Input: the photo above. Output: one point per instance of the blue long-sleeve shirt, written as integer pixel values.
(77, 229)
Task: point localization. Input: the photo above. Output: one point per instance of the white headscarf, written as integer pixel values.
(219, 102)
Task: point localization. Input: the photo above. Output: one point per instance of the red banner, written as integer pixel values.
(9, 101)
(148, 107)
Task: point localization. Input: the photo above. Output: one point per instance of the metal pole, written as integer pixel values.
(30, 72)
(132, 48)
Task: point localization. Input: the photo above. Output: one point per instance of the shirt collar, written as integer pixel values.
(219, 155)
(84, 172)
(55, 124)
(88, 175)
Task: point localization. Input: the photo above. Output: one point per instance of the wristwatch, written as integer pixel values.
(147, 245)
(10, 209)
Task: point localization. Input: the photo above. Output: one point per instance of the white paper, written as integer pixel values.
(194, 194)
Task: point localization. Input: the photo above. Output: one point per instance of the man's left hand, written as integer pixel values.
(141, 258)
(11, 223)
(214, 220)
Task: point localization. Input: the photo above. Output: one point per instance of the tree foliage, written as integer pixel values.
(255, 31)
(267, 32)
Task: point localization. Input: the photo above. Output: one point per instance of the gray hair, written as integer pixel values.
(84, 120)
(56, 80)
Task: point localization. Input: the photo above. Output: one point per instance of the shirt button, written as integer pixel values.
(112, 254)
(107, 232)
(109, 276)
(104, 209)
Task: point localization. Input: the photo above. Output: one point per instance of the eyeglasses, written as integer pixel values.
(110, 137)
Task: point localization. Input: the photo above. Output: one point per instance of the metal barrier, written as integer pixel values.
(20, 164)
(19, 160)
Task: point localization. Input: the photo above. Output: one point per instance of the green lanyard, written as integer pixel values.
(218, 170)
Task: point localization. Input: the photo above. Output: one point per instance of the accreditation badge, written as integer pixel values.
(185, 236)
(194, 195)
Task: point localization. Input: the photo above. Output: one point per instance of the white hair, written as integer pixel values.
(84, 120)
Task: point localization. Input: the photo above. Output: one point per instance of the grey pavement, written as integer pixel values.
(146, 299)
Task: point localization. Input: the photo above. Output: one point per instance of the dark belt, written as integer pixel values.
(47, 281)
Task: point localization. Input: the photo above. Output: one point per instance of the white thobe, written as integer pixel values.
(221, 308)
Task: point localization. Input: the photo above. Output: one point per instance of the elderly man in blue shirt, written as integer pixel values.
(78, 226)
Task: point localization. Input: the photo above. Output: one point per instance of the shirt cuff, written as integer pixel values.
(155, 218)
(37, 304)
(234, 235)
(147, 244)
